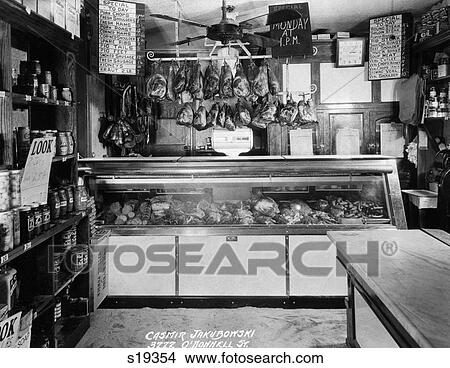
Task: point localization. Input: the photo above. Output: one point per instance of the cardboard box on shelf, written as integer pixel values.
(31, 4)
(59, 12)
(44, 8)
(72, 18)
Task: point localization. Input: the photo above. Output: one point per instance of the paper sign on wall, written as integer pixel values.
(121, 37)
(392, 140)
(37, 171)
(348, 142)
(301, 142)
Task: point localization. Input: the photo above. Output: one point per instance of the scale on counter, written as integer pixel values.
(232, 143)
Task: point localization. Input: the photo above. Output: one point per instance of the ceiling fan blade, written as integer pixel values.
(273, 18)
(260, 41)
(173, 19)
(187, 40)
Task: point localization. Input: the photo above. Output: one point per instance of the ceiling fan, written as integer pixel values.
(229, 30)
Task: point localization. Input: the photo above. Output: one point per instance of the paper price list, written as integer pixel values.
(118, 37)
(386, 43)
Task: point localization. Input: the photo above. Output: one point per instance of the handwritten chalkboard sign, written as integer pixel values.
(121, 38)
(388, 49)
(294, 35)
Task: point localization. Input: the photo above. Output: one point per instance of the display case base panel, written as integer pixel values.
(141, 265)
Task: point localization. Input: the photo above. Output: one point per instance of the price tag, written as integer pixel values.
(46, 100)
(4, 259)
(57, 102)
(27, 98)
(64, 159)
(26, 247)
(83, 214)
(66, 103)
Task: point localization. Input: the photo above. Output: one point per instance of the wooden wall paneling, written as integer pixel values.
(6, 85)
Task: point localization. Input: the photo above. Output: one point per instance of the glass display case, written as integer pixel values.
(265, 194)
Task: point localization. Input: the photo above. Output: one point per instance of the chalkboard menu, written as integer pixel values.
(121, 37)
(294, 35)
(388, 49)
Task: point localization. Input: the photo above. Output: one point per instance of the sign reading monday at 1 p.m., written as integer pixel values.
(294, 35)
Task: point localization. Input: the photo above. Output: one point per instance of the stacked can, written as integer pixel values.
(15, 178)
(6, 220)
(58, 309)
(92, 216)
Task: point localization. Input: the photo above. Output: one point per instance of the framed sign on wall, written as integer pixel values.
(350, 52)
(389, 48)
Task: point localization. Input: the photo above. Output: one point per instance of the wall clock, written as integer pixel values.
(350, 52)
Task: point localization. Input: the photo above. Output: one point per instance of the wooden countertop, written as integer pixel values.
(413, 284)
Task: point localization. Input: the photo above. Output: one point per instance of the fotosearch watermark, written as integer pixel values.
(227, 258)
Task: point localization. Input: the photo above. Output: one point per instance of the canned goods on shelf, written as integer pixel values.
(4, 191)
(6, 232)
(16, 227)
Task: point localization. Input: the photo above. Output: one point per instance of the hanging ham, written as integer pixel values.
(241, 86)
(226, 81)
(156, 86)
(213, 115)
(200, 122)
(185, 116)
(212, 77)
(170, 95)
(261, 83)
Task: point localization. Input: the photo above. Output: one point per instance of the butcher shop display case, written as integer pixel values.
(267, 216)
(266, 194)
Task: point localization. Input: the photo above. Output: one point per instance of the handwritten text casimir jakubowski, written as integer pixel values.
(200, 339)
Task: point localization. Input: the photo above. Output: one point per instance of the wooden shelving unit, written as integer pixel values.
(431, 42)
(25, 35)
(20, 99)
(56, 229)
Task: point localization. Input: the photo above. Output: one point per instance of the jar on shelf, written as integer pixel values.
(16, 226)
(26, 224)
(70, 143)
(66, 94)
(36, 67)
(55, 205)
(37, 219)
(15, 177)
(4, 191)
(46, 216)
(6, 232)
(62, 144)
(48, 77)
(70, 198)
(54, 93)
(443, 67)
(62, 202)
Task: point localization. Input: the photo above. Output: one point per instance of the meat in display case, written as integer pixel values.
(281, 194)
(266, 215)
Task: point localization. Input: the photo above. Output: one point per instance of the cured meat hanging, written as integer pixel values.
(200, 122)
(229, 123)
(241, 86)
(274, 85)
(213, 115)
(171, 95)
(212, 77)
(288, 113)
(242, 116)
(261, 82)
(180, 81)
(185, 116)
(156, 86)
(226, 82)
